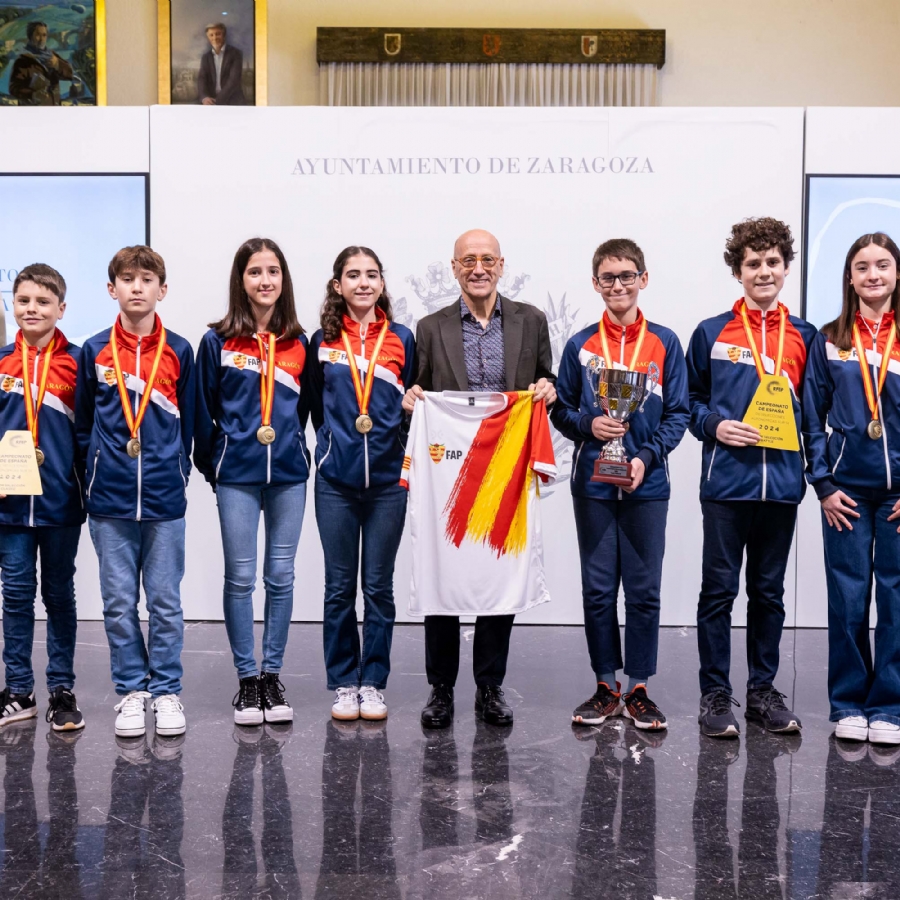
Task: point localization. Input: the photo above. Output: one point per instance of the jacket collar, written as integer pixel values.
(127, 339)
(61, 342)
(351, 326)
(754, 315)
(614, 330)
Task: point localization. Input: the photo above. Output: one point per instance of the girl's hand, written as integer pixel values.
(838, 506)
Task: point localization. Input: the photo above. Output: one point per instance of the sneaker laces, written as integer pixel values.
(167, 705)
(132, 704)
(769, 698)
(344, 694)
(272, 689)
(604, 694)
(248, 693)
(721, 703)
(369, 694)
(61, 700)
(642, 703)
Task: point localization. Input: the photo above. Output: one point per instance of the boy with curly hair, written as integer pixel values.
(748, 494)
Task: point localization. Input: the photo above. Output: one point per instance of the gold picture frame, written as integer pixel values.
(164, 52)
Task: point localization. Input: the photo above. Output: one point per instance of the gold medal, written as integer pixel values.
(265, 434)
(364, 390)
(32, 406)
(133, 447)
(874, 429)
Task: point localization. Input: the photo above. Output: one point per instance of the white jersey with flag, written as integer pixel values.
(472, 466)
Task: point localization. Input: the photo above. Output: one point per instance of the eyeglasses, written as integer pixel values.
(469, 262)
(626, 279)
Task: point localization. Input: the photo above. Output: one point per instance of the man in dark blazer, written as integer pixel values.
(221, 69)
(482, 343)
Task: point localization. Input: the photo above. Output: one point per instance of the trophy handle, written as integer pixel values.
(651, 383)
(595, 366)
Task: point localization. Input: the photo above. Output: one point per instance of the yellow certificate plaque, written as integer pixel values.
(18, 465)
(772, 414)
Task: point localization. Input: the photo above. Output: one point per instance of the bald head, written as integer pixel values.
(478, 267)
(477, 237)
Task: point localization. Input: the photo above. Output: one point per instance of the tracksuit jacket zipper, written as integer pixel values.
(765, 472)
(362, 348)
(137, 403)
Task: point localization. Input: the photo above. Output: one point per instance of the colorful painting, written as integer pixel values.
(49, 53)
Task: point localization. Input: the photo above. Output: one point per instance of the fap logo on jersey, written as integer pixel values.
(240, 360)
(334, 355)
(734, 354)
(109, 376)
(8, 383)
(436, 452)
(843, 355)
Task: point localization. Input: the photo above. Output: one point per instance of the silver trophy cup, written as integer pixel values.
(620, 393)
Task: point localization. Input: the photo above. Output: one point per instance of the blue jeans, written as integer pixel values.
(282, 507)
(765, 531)
(345, 515)
(19, 548)
(621, 541)
(857, 685)
(150, 553)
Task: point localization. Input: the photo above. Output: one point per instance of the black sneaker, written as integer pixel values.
(63, 713)
(16, 707)
(597, 709)
(642, 710)
(766, 706)
(275, 707)
(247, 703)
(716, 718)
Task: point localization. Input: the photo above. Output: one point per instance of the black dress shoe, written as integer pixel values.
(438, 712)
(493, 708)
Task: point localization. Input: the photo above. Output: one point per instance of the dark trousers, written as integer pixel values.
(490, 651)
(621, 541)
(765, 531)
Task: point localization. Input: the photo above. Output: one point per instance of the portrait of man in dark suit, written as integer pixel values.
(221, 70)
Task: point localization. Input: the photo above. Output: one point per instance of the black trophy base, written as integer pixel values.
(610, 472)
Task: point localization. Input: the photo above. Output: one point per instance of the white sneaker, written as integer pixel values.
(130, 721)
(169, 715)
(371, 703)
(852, 728)
(884, 733)
(346, 704)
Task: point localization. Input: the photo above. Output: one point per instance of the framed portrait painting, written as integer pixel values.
(52, 53)
(212, 52)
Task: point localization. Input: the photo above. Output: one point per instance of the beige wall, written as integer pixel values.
(720, 52)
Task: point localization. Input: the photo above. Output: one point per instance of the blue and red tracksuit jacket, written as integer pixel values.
(722, 381)
(834, 393)
(226, 449)
(62, 502)
(653, 434)
(343, 455)
(153, 486)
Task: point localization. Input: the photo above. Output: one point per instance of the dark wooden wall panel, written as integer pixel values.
(498, 45)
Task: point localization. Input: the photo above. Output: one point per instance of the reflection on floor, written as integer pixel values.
(386, 810)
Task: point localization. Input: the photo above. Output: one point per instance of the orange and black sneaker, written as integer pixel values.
(642, 710)
(600, 707)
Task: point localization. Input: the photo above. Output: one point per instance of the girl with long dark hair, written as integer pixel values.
(250, 446)
(361, 364)
(853, 385)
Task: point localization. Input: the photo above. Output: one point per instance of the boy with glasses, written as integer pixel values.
(748, 493)
(622, 526)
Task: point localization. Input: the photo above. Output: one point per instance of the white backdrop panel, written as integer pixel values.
(82, 140)
(311, 178)
(838, 142)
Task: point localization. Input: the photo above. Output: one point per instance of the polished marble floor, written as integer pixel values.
(360, 810)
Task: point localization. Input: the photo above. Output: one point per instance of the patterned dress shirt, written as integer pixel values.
(483, 348)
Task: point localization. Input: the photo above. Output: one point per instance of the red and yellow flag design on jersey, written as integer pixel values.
(489, 500)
